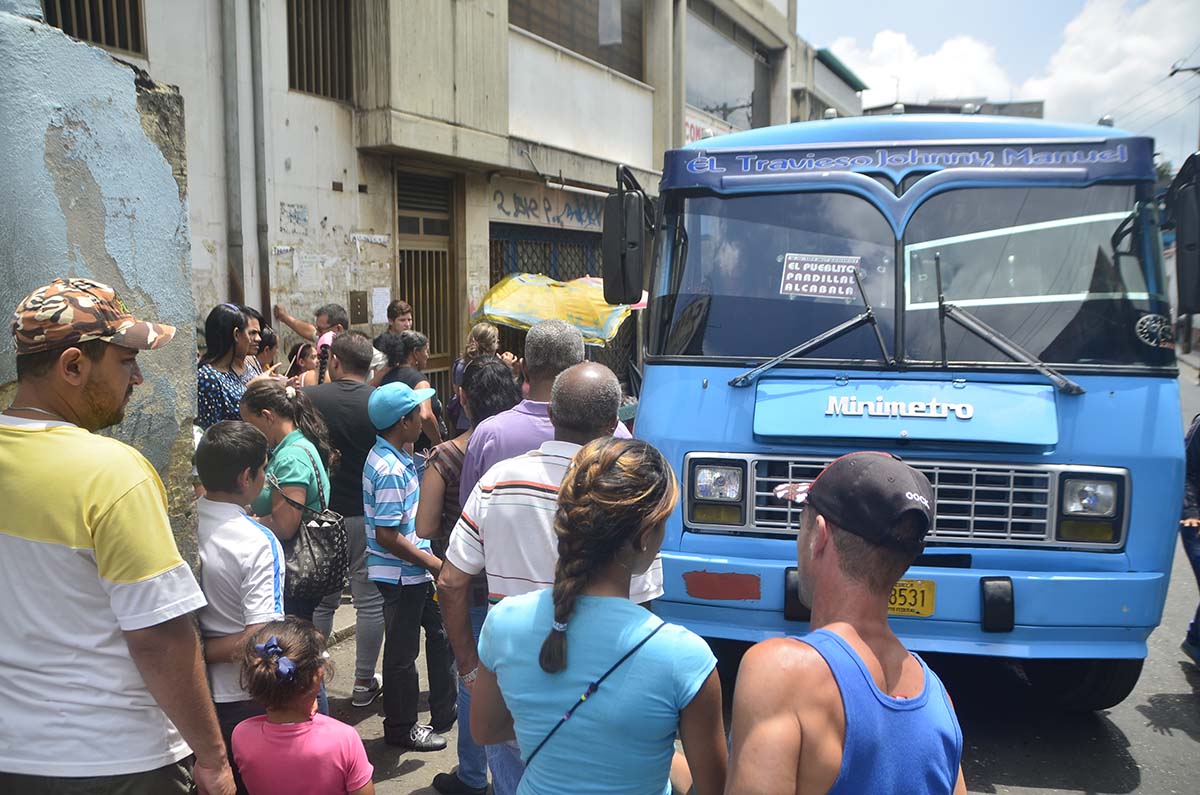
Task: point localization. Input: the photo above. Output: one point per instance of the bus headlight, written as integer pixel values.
(1091, 508)
(717, 484)
(717, 488)
(1090, 498)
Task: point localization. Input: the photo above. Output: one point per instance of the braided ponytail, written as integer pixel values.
(613, 491)
(322, 363)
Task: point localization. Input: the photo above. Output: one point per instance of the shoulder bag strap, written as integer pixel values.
(317, 472)
(273, 482)
(591, 689)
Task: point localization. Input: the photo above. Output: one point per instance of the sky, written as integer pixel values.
(1085, 58)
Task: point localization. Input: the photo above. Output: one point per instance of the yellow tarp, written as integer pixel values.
(523, 299)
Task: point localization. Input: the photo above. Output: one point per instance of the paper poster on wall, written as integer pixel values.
(306, 267)
(819, 276)
(380, 298)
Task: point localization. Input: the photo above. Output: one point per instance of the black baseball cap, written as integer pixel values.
(868, 493)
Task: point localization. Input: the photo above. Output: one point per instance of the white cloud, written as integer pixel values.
(1112, 59)
(962, 67)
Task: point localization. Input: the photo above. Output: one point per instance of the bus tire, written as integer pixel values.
(1083, 685)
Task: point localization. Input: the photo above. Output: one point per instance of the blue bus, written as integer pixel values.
(981, 296)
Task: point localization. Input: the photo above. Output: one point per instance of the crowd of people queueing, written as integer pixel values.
(523, 543)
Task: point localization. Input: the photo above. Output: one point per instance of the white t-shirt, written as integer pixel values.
(86, 552)
(507, 526)
(241, 573)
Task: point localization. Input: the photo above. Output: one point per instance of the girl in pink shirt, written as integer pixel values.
(292, 748)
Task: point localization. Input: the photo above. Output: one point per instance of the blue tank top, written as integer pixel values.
(893, 745)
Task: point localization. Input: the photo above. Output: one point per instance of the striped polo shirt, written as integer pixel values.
(390, 494)
(507, 526)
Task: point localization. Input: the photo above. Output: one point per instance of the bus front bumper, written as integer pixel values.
(1055, 614)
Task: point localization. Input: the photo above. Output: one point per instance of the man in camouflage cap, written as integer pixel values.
(103, 678)
(84, 316)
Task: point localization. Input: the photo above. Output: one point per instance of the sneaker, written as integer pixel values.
(420, 738)
(451, 784)
(442, 728)
(364, 695)
(1192, 650)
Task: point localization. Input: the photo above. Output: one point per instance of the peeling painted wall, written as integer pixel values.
(93, 183)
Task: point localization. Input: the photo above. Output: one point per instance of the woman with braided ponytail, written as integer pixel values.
(627, 681)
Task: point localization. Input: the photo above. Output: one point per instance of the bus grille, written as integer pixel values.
(975, 503)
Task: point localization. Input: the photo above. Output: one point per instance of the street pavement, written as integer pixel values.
(397, 772)
(1011, 743)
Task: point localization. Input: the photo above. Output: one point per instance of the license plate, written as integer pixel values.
(912, 598)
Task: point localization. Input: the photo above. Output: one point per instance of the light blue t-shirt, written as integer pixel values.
(620, 741)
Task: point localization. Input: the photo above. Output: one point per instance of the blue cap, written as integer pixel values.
(391, 402)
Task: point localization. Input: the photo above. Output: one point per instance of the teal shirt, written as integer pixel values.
(292, 467)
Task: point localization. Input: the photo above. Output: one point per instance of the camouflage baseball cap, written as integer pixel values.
(68, 311)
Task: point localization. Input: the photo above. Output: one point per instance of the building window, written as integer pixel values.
(606, 31)
(114, 24)
(727, 74)
(319, 47)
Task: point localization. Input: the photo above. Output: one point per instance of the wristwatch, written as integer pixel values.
(469, 677)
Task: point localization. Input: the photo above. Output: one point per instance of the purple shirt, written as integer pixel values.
(509, 434)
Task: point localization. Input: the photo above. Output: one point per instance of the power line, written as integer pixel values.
(1173, 94)
(1175, 112)
(1141, 92)
(1151, 98)
(1188, 57)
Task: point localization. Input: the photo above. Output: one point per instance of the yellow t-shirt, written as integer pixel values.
(86, 552)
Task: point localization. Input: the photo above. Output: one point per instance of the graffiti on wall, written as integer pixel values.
(517, 202)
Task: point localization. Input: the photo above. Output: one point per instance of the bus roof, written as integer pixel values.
(928, 127)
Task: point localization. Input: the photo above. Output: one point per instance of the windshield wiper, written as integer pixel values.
(867, 316)
(994, 338)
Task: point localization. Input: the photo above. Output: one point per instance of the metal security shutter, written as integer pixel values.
(425, 273)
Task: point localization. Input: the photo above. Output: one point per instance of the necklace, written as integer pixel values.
(36, 410)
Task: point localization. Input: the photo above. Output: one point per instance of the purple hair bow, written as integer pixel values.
(271, 650)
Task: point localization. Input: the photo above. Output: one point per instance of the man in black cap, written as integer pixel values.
(848, 706)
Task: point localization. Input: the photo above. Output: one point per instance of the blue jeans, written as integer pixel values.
(1191, 546)
(472, 760)
(504, 760)
(507, 768)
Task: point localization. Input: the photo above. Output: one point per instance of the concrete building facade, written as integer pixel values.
(822, 83)
(358, 150)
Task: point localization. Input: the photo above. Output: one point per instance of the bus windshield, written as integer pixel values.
(1073, 275)
(737, 284)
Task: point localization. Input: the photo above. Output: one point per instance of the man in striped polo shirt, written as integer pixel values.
(507, 527)
(402, 566)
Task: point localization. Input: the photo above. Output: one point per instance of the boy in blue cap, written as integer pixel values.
(404, 568)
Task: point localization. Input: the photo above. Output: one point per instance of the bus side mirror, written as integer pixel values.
(623, 247)
(1183, 204)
